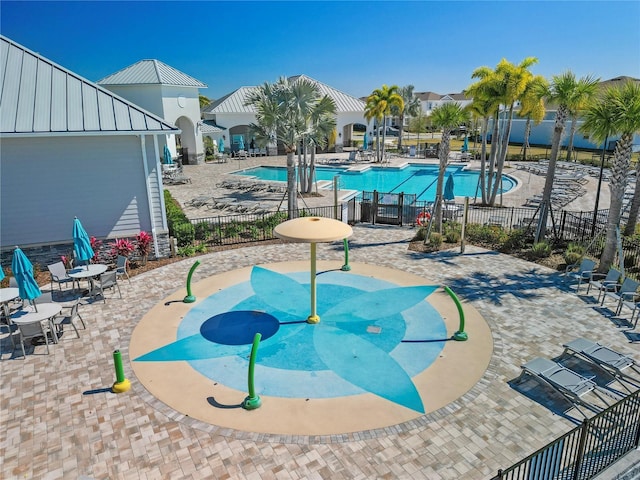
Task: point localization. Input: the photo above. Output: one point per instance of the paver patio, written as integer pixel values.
(59, 422)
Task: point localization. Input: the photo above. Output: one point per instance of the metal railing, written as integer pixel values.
(586, 450)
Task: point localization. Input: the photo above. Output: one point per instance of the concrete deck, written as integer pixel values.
(60, 421)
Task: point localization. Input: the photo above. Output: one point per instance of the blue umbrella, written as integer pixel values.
(1, 274)
(221, 145)
(465, 145)
(81, 243)
(241, 143)
(23, 271)
(167, 155)
(365, 145)
(448, 189)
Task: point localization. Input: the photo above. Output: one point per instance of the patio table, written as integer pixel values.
(46, 311)
(93, 270)
(8, 294)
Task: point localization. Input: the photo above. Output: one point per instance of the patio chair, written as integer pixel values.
(61, 320)
(580, 271)
(59, 275)
(105, 281)
(568, 383)
(121, 267)
(625, 292)
(608, 359)
(603, 283)
(27, 331)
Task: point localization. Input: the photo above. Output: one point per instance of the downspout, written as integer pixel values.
(146, 184)
(156, 149)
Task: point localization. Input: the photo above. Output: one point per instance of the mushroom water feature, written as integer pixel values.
(313, 230)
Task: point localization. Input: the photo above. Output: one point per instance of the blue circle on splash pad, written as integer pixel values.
(239, 327)
(373, 336)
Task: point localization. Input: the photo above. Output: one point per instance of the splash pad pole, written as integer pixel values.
(122, 384)
(460, 335)
(346, 267)
(252, 401)
(190, 298)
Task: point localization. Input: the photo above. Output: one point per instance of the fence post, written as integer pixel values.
(400, 207)
(581, 446)
(374, 207)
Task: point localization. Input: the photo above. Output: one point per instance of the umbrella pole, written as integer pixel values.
(313, 318)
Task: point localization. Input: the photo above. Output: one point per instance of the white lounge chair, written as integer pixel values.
(605, 357)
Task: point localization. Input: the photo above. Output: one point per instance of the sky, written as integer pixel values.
(355, 47)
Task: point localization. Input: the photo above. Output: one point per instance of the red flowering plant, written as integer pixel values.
(122, 247)
(95, 246)
(143, 245)
(67, 260)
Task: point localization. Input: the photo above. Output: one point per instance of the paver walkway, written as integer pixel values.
(59, 422)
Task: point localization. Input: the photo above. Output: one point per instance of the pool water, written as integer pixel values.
(420, 180)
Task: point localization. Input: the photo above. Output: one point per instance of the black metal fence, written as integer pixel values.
(586, 450)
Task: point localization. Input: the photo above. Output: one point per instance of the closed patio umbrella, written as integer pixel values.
(81, 243)
(241, 143)
(448, 189)
(167, 155)
(365, 144)
(1, 274)
(465, 145)
(23, 272)
(221, 145)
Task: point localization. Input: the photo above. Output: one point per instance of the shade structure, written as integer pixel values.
(465, 145)
(221, 145)
(448, 188)
(167, 155)
(81, 243)
(23, 272)
(365, 144)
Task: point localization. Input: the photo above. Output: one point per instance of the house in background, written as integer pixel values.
(228, 118)
(431, 100)
(171, 95)
(72, 148)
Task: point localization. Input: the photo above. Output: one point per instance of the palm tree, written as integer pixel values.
(599, 125)
(321, 121)
(566, 92)
(532, 107)
(410, 109)
(283, 113)
(482, 108)
(446, 117)
(624, 102)
(379, 106)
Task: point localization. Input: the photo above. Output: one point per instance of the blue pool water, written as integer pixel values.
(374, 336)
(413, 178)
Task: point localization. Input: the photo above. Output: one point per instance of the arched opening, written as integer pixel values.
(186, 141)
(240, 138)
(353, 135)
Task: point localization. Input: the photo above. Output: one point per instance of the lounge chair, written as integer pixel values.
(606, 358)
(580, 271)
(604, 284)
(568, 383)
(623, 293)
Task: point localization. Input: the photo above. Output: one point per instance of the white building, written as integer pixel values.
(228, 118)
(430, 100)
(71, 148)
(171, 95)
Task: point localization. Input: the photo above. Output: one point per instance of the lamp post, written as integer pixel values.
(595, 208)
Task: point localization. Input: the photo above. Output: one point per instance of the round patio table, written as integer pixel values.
(8, 294)
(45, 311)
(313, 230)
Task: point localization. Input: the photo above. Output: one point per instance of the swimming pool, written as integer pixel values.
(413, 178)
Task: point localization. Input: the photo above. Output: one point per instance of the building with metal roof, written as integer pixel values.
(170, 94)
(231, 116)
(72, 148)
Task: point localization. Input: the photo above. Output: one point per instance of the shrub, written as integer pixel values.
(490, 235)
(95, 246)
(185, 234)
(541, 250)
(187, 251)
(452, 236)
(420, 234)
(122, 247)
(516, 240)
(435, 239)
(573, 253)
(143, 244)
(202, 231)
